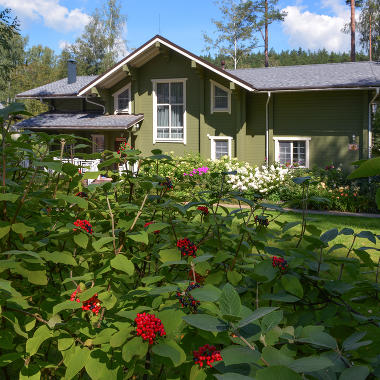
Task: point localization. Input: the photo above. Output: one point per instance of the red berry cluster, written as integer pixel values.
(198, 277)
(82, 194)
(186, 299)
(168, 184)
(149, 327)
(261, 221)
(187, 247)
(280, 263)
(92, 304)
(203, 210)
(148, 224)
(84, 225)
(208, 354)
(123, 148)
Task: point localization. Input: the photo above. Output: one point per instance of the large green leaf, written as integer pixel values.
(205, 322)
(59, 257)
(206, 293)
(75, 360)
(355, 373)
(139, 237)
(97, 366)
(369, 168)
(65, 305)
(320, 338)
(229, 301)
(121, 263)
(98, 244)
(233, 376)
(276, 357)
(238, 354)
(30, 372)
(171, 350)
(329, 235)
(4, 230)
(257, 314)
(311, 364)
(134, 347)
(277, 373)
(72, 199)
(292, 285)
(40, 335)
(121, 336)
(81, 239)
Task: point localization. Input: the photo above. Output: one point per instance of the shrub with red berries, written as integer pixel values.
(187, 247)
(261, 221)
(84, 225)
(148, 224)
(203, 209)
(149, 327)
(280, 263)
(198, 277)
(124, 147)
(82, 194)
(206, 355)
(92, 304)
(167, 184)
(186, 299)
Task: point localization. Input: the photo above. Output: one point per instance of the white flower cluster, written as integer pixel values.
(261, 179)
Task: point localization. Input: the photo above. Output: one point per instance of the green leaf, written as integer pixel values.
(300, 180)
(264, 271)
(289, 225)
(347, 231)
(229, 301)
(271, 320)
(66, 305)
(73, 199)
(65, 343)
(21, 228)
(311, 364)
(233, 376)
(168, 255)
(75, 360)
(278, 373)
(353, 341)
(355, 373)
(98, 244)
(292, 285)
(81, 239)
(367, 235)
(40, 335)
(59, 257)
(238, 354)
(97, 366)
(329, 235)
(92, 175)
(274, 357)
(257, 314)
(9, 358)
(234, 277)
(107, 299)
(172, 320)
(369, 168)
(9, 197)
(4, 231)
(121, 336)
(37, 277)
(320, 338)
(88, 293)
(197, 373)
(205, 322)
(121, 263)
(134, 347)
(31, 372)
(140, 237)
(54, 320)
(171, 350)
(206, 293)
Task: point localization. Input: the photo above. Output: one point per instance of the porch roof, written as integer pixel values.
(91, 121)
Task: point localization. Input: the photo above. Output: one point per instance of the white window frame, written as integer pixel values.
(170, 80)
(298, 138)
(213, 145)
(214, 84)
(116, 103)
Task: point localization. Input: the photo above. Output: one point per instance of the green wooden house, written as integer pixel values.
(163, 96)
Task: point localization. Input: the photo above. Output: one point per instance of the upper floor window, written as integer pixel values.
(220, 98)
(169, 110)
(292, 151)
(122, 99)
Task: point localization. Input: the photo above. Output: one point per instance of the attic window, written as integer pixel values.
(220, 98)
(122, 100)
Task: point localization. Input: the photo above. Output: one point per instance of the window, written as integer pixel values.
(220, 146)
(97, 143)
(292, 151)
(122, 99)
(220, 98)
(169, 110)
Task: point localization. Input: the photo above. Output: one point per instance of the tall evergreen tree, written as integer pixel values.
(233, 32)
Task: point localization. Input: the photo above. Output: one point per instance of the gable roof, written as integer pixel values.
(317, 76)
(59, 88)
(148, 48)
(62, 120)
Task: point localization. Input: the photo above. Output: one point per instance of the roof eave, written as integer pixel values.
(304, 89)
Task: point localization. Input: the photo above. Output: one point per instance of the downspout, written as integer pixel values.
(267, 129)
(370, 122)
(96, 104)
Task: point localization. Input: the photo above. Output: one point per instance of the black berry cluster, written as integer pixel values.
(187, 247)
(82, 194)
(168, 184)
(186, 299)
(261, 221)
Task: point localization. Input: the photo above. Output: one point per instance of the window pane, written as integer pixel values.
(163, 133)
(162, 116)
(176, 93)
(123, 100)
(221, 148)
(97, 143)
(220, 98)
(285, 152)
(162, 93)
(177, 133)
(177, 116)
(299, 153)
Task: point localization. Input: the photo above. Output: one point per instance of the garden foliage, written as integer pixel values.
(130, 279)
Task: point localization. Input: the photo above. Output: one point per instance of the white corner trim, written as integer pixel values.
(277, 140)
(214, 84)
(186, 54)
(154, 96)
(115, 98)
(214, 138)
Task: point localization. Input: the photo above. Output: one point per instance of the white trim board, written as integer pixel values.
(277, 139)
(213, 138)
(115, 98)
(214, 84)
(168, 44)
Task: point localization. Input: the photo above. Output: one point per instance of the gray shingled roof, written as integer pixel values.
(59, 88)
(331, 75)
(55, 120)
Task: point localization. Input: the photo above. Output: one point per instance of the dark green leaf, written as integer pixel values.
(292, 285)
(257, 314)
(229, 301)
(355, 373)
(171, 350)
(277, 373)
(329, 235)
(205, 322)
(238, 354)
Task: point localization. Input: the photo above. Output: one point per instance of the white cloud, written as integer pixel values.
(63, 44)
(317, 31)
(53, 14)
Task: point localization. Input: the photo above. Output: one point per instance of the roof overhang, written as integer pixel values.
(148, 51)
(306, 89)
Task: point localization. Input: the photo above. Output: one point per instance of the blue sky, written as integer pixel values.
(309, 24)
